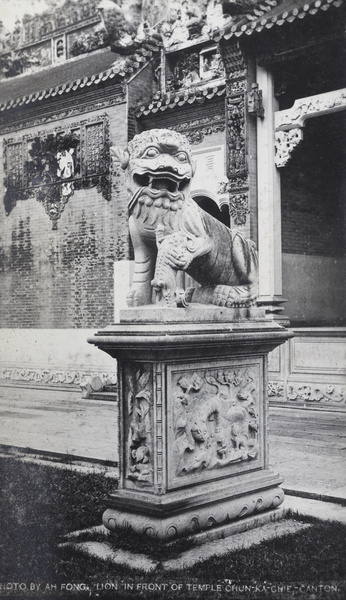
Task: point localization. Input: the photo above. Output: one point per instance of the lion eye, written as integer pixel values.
(181, 156)
(151, 152)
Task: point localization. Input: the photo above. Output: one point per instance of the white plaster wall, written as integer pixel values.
(123, 271)
(210, 171)
(53, 350)
(315, 287)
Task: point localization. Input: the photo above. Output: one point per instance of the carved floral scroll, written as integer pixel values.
(139, 426)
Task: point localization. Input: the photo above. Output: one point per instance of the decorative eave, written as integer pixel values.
(162, 102)
(125, 68)
(286, 12)
(62, 89)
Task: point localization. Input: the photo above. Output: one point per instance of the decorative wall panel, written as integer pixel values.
(318, 355)
(237, 170)
(51, 165)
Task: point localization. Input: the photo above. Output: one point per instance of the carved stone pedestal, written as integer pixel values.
(193, 420)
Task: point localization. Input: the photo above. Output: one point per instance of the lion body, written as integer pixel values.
(171, 233)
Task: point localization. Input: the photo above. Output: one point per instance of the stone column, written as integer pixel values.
(269, 204)
(237, 138)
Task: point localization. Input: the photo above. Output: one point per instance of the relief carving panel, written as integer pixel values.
(55, 163)
(309, 393)
(138, 424)
(216, 421)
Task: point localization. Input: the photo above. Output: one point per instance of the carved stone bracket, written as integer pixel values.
(289, 123)
(313, 106)
(285, 142)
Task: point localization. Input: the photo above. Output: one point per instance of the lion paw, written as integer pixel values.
(233, 296)
(138, 297)
(222, 295)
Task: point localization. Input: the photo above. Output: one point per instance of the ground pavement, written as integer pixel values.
(307, 447)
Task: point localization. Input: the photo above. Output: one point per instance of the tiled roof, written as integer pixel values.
(263, 15)
(190, 95)
(73, 74)
(286, 11)
(102, 65)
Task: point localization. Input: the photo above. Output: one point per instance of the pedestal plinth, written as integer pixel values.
(193, 419)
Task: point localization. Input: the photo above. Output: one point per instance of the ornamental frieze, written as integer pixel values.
(237, 83)
(307, 393)
(276, 389)
(232, 185)
(316, 394)
(196, 130)
(45, 376)
(237, 169)
(215, 419)
(239, 208)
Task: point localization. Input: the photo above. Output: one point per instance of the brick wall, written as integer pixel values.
(311, 191)
(64, 278)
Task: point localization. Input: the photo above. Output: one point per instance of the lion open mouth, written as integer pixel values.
(162, 182)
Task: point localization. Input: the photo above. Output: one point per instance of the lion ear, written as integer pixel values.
(193, 167)
(120, 155)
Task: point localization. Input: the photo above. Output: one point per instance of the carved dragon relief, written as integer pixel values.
(170, 232)
(139, 438)
(215, 419)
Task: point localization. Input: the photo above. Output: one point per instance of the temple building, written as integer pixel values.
(257, 87)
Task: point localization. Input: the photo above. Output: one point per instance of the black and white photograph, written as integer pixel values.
(172, 313)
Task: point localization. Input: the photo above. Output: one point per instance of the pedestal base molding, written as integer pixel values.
(191, 520)
(193, 420)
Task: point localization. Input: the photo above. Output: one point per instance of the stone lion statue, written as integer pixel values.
(171, 233)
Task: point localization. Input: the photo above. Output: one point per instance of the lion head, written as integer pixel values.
(159, 169)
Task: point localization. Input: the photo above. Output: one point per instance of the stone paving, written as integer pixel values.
(63, 424)
(307, 447)
(105, 550)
